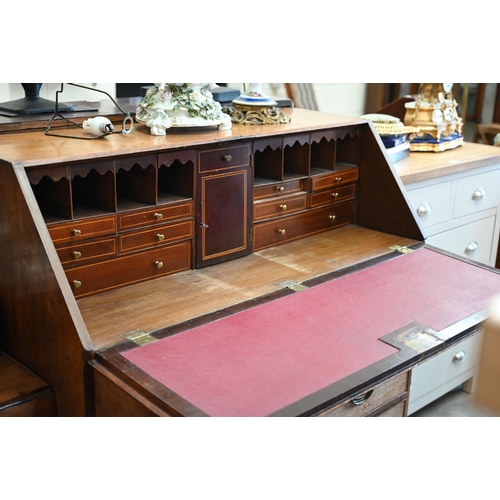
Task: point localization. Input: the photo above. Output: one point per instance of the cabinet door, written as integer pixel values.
(224, 211)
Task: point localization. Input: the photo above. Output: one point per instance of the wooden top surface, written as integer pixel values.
(36, 148)
(421, 166)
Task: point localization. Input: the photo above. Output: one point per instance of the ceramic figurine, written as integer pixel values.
(180, 105)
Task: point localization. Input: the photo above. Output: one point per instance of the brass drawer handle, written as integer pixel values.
(158, 264)
(332, 217)
(160, 237)
(77, 255)
(338, 180)
(76, 232)
(280, 188)
(282, 231)
(158, 216)
(228, 158)
(283, 207)
(361, 399)
(77, 284)
(335, 195)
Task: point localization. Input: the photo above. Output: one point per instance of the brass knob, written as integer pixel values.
(334, 195)
(158, 216)
(160, 237)
(159, 264)
(77, 255)
(76, 232)
(280, 189)
(77, 284)
(338, 180)
(228, 157)
(281, 231)
(333, 217)
(283, 207)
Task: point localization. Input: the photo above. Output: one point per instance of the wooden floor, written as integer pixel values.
(173, 299)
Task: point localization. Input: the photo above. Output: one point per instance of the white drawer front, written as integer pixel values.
(476, 193)
(432, 203)
(473, 241)
(442, 373)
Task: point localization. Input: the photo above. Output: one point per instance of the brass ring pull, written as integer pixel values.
(76, 232)
(158, 216)
(160, 237)
(158, 264)
(77, 255)
(228, 157)
(361, 399)
(77, 284)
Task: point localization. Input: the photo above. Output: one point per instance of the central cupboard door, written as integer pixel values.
(224, 205)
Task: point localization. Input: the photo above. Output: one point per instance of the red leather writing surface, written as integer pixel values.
(259, 360)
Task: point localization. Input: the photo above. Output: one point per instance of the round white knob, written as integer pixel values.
(479, 194)
(472, 247)
(459, 356)
(424, 209)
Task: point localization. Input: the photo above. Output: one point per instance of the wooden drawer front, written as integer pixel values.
(473, 241)
(370, 400)
(336, 178)
(101, 276)
(159, 235)
(158, 215)
(286, 229)
(279, 206)
(82, 229)
(223, 158)
(442, 373)
(432, 203)
(476, 193)
(332, 196)
(397, 410)
(87, 250)
(281, 188)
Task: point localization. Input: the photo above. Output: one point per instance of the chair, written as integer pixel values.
(487, 133)
(302, 95)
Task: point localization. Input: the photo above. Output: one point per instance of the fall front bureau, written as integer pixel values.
(131, 237)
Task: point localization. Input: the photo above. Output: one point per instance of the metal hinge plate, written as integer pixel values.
(139, 337)
(294, 285)
(401, 249)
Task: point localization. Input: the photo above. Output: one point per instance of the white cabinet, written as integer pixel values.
(460, 212)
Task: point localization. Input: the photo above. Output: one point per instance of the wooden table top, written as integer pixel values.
(421, 166)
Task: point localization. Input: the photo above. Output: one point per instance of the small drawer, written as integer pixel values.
(334, 179)
(476, 193)
(332, 196)
(432, 203)
(159, 235)
(442, 373)
(281, 188)
(279, 206)
(82, 229)
(87, 250)
(473, 241)
(282, 230)
(158, 215)
(224, 158)
(120, 271)
(368, 401)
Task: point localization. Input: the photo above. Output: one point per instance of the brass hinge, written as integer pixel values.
(401, 249)
(294, 285)
(140, 337)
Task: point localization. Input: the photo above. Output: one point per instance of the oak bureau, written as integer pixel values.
(265, 270)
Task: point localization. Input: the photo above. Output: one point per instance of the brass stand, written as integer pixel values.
(256, 115)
